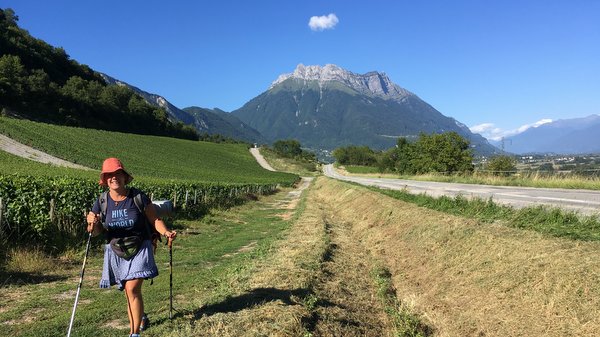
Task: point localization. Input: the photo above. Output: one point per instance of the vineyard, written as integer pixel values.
(45, 204)
(149, 156)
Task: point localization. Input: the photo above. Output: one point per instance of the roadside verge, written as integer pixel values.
(469, 279)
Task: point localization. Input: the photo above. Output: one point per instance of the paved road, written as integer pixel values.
(582, 201)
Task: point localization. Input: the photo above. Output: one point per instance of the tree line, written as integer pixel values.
(291, 148)
(447, 152)
(435, 153)
(41, 82)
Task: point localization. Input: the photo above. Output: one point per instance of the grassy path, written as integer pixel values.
(317, 281)
(208, 254)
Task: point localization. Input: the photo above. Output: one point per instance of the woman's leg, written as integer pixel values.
(135, 304)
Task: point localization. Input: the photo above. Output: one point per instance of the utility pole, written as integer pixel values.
(502, 143)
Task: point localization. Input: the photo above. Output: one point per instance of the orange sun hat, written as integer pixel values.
(111, 165)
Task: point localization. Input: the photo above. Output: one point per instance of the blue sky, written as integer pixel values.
(493, 64)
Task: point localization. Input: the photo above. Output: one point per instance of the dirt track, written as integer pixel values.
(260, 159)
(11, 146)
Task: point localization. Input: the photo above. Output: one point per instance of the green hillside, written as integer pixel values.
(41, 82)
(143, 156)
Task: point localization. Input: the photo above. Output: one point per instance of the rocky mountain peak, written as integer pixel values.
(372, 83)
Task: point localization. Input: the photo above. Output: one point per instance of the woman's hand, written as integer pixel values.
(170, 235)
(93, 221)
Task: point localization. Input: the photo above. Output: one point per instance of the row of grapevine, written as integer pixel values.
(48, 210)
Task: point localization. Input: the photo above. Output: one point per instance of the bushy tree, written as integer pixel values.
(502, 165)
(12, 75)
(291, 148)
(546, 167)
(288, 148)
(404, 152)
(446, 152)
(355, 155)
(8, 17)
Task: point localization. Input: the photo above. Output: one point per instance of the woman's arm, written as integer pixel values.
(158, 223)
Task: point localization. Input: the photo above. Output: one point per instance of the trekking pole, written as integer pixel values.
(170, 278)
(87, 250)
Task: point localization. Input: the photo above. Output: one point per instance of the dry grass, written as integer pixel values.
(315, 283)
(32, 260)
(468, 279)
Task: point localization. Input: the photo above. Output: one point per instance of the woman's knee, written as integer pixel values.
(134, 287)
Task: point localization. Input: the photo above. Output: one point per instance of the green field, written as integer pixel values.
(147, 156)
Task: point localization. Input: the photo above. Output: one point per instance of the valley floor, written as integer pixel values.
(333, 259)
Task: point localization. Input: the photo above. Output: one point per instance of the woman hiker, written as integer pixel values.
(128, 255)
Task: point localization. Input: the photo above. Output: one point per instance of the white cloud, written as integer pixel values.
(491, 132)
(318, 23)
(534, 125)
(482, 127)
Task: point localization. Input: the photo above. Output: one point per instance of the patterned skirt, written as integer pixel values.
(117, 270)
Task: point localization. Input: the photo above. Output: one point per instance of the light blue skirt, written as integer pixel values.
(117, 270)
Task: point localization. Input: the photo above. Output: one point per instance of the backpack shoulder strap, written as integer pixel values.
(137, 199)
(103, 204)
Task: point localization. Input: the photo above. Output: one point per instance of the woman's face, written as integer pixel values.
(116, 180)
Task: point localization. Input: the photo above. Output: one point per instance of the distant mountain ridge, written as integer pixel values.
(217, 121)
(204, 120)
(564, 136)
(327, 107)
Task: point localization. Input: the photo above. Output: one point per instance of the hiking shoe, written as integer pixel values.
(145, 323)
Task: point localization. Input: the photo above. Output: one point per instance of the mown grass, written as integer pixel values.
(549, 221)
(207, 255)
(405, 322)
(150, 156)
